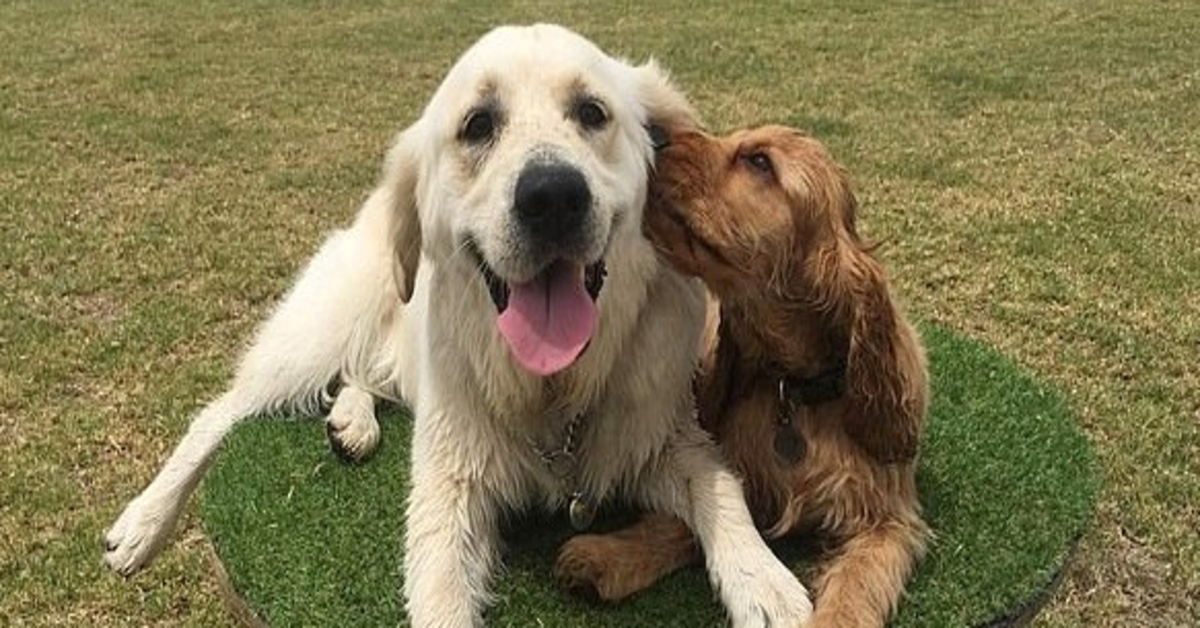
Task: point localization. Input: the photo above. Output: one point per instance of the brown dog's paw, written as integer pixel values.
(612, 567)
(583, 568)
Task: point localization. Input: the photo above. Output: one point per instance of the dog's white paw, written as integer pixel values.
(138, 534)
(766, 594)
(351, 425)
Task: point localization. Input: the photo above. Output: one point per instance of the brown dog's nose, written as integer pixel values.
(551, 200)
(660, 138)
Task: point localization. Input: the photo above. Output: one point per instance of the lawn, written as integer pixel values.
(1033, 169)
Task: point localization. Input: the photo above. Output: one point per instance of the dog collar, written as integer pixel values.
(826, 385)
(563, 463)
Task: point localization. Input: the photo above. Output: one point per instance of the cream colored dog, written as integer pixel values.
(497, 280)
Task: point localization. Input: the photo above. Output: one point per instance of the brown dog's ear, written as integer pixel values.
(886, 380)
(885, 374)
(397, 191)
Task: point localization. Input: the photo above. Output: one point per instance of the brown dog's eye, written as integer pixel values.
(591, 114)
(479, 127)
(760, 162)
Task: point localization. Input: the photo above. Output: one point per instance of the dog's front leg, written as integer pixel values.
(756, 588)
(861, 586)
(451, 542)
(616, 565)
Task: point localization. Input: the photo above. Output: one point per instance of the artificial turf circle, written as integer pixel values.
(1006, 478)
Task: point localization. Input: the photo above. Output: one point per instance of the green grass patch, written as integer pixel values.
(1007, 479)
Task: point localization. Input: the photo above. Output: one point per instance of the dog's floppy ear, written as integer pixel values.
(398, 192)
(667, 108)
(885, 371)
(885, 366)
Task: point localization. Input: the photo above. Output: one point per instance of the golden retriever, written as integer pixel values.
(816, 388)
(498, 281)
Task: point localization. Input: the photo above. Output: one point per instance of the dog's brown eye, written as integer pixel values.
(760, 162)
(591, 115)
(479, 127)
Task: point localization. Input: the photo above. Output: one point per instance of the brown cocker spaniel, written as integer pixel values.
(814, 383)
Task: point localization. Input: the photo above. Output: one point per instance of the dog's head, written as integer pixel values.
(746, 211)
(767, 219)
(531, 158)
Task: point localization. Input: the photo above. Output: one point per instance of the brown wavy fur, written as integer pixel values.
(767, 219)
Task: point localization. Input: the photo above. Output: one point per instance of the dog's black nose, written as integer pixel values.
(551, 200)
(659, 137)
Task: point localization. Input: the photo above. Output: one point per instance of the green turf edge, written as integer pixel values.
(1029, 609)
(1007, 505)
(1006, 476)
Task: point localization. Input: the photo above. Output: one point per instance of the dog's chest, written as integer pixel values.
(776, 446)
(573, 461)
(554, 424)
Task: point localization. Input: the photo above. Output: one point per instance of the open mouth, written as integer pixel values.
(548, 320)
(499, 290)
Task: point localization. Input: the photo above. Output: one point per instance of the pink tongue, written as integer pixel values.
(549, 320)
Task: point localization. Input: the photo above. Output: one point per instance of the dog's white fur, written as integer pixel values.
(396, 307)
